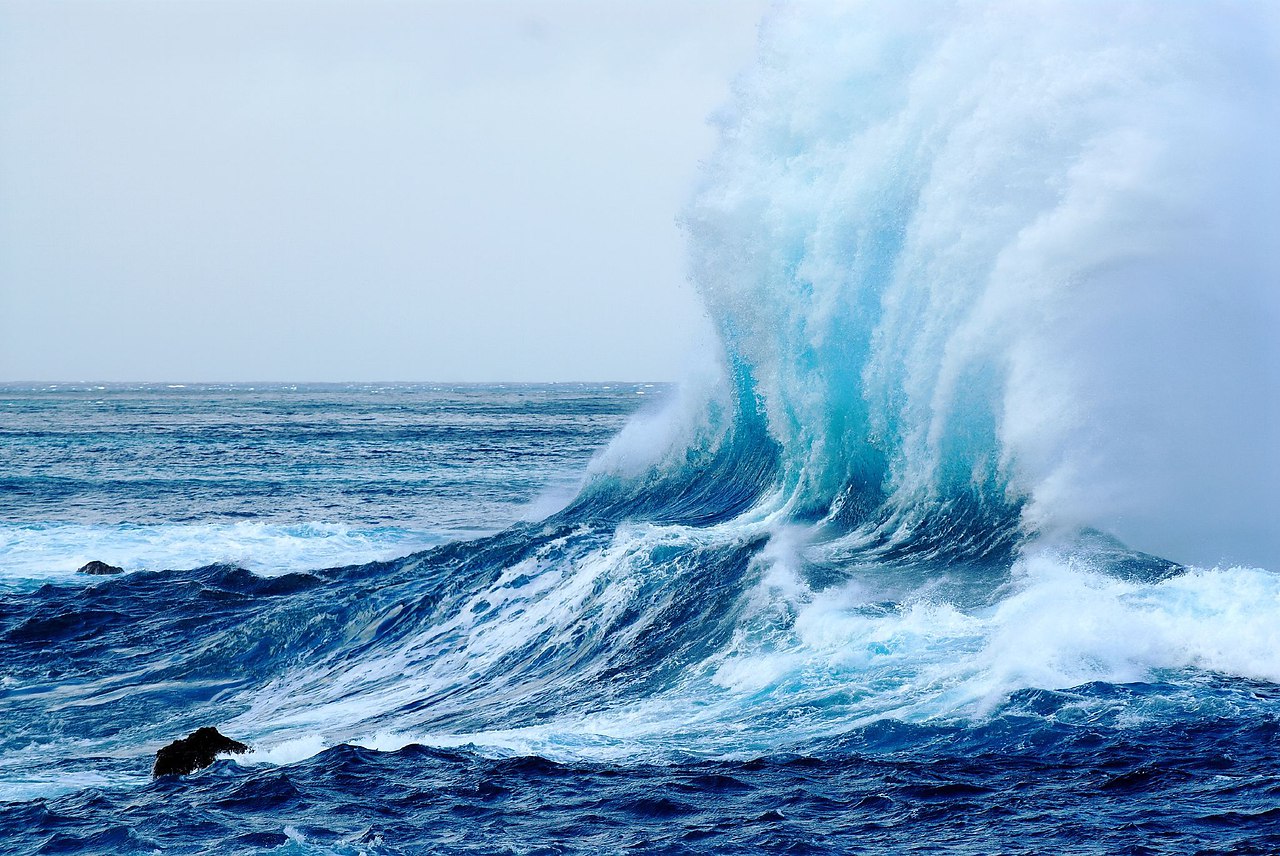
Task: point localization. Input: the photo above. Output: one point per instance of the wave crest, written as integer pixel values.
(1006, 259)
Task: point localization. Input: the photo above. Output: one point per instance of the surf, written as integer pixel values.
(985, 287)
(987, 432)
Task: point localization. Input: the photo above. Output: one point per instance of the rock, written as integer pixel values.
(195, 752)
(100, 568)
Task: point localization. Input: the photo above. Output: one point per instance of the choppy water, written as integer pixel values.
(579, 684)
(282, 477)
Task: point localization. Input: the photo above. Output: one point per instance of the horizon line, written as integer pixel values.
(183, 383)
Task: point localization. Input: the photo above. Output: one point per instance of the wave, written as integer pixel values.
(1012, 258)
(985, 287)
(994, 301)
(660, 640)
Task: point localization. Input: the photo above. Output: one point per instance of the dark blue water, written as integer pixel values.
(625, 674)
(1094, 791)
(994, 295)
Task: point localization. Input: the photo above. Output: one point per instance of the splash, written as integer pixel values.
(988, 286)
(1008, 257)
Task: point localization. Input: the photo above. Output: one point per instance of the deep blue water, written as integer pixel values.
(964, 541)
(608, 677)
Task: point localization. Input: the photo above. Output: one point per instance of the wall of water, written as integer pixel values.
(1023, 252)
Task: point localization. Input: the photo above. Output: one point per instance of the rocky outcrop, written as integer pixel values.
(195, 752)
(100, 569)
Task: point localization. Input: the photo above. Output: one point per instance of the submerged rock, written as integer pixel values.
(195, 752)
(100, 568)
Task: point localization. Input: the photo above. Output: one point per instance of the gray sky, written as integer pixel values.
(345, 191)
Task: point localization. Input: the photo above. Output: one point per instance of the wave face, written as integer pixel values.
(996, 307)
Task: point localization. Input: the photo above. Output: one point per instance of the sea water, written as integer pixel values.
(965, 542)
(576, 682)
(282, 477)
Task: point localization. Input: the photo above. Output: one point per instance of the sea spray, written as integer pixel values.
(986, 286)
(994, 286)
(1009, 252)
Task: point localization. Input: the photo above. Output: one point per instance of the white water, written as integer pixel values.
(803, 667)
(34, 554)
(1018, 246)
(1014, 245)
(1023, 249)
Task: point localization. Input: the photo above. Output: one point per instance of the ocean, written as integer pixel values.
(960, 540)
(541, 674)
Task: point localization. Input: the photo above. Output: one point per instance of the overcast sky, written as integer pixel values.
(354, 191)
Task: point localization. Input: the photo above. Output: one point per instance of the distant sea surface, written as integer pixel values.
(280, 478)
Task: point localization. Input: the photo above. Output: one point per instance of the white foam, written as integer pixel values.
(32, 554)
(288, 751)
(1063, 624)
(1012, 247)
(802, 665)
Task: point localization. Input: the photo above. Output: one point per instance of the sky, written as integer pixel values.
(454, 191)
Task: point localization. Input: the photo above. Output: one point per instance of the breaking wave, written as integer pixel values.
(996, 303)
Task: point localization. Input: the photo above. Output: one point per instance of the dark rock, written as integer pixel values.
(100, 568)
(195, 752)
